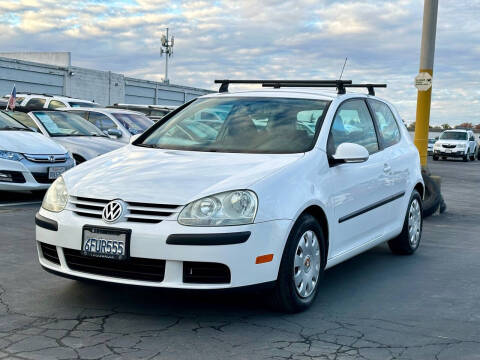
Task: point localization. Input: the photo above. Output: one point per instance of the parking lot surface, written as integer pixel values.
(374, 306)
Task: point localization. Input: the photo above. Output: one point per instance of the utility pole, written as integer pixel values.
(167, 49)
(423, 81)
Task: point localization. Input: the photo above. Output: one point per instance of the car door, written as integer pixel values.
(358, 189)
(397, 161)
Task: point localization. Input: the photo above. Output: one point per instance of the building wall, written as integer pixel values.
(62, 58)
(103, 87)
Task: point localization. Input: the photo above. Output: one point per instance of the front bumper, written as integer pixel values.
(450, 153)
(149, 242)
(29, 175)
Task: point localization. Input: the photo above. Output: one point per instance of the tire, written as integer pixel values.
(435, 157)
(409, 239)
(78, 159)
(286, 295)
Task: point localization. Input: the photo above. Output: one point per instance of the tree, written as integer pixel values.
(466, 125)
(446, 127)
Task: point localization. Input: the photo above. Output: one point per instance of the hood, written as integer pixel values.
(452, 142)
(170, 176)
(88, 146)
(27, 142)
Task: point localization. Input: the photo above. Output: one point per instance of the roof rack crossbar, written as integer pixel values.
(278, 83)
(370, 87)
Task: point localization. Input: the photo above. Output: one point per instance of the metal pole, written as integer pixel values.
(166, 61)
(426, 66)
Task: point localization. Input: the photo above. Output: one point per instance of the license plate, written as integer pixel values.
(106, 243)
(448, 151)
(55, 171)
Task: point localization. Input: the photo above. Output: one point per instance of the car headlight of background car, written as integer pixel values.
(237, 207)
(56, 197)
(10, 155)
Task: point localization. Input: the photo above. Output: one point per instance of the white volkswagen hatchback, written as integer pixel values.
(290, 183)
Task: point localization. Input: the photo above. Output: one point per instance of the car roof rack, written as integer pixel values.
(339, 84)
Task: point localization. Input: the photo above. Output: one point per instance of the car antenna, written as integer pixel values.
(343, 68)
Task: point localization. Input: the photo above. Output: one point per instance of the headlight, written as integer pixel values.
(10, 155)
(437, 146)
(56, 197)
(237, 207)
(461, 146)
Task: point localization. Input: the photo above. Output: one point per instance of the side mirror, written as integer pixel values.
(134, 137)
(350, 153)
(115, 133)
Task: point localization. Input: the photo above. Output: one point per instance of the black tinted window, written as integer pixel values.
(36, 102)
(353, 124)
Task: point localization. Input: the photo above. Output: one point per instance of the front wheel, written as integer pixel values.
(409, 239)
(435, 157)
(301, 267)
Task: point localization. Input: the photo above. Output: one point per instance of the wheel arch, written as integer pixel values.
(421, 189)
(319, 214)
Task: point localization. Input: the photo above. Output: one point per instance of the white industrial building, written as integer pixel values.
(52, 73)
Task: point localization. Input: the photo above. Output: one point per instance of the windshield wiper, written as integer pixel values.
(15, 128)
(151, 146)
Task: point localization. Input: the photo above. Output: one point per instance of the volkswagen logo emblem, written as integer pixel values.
(51, 158)
(113, 211)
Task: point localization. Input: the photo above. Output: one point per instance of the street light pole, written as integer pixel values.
(423, 81)
(166, 48)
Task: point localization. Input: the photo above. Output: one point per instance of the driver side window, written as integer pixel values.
(353, 124)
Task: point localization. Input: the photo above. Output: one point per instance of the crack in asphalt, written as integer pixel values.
(121, 334)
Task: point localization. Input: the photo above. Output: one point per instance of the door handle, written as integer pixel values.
(387, 168)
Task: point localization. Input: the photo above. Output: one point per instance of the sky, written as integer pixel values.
(287, 39)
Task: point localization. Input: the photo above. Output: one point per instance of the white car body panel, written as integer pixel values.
(286, 185)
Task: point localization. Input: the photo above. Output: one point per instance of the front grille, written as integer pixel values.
(12, 177)
(132, 268)
(42, 178)
(448, 146)
(50, 253)
(205, 273)
(46, 158)
(135, 212)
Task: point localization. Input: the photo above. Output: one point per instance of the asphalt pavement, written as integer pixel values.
(374, 306)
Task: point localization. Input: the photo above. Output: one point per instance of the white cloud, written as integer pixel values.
(263, 39)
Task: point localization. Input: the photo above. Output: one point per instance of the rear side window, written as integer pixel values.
(36, 102)
(55, 104)
(353, 124)
(103, 122)
(387, 125)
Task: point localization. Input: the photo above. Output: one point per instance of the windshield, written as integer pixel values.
(243, 125)
(76, 104)
(58, 123)
(454, 135)
(134, 123)
(7, 123)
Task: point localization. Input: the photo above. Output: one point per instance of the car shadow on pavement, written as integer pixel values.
(338, 283)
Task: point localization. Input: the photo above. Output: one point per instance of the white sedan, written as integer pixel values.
(292, 183)
(28, 161)
(82, 139)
